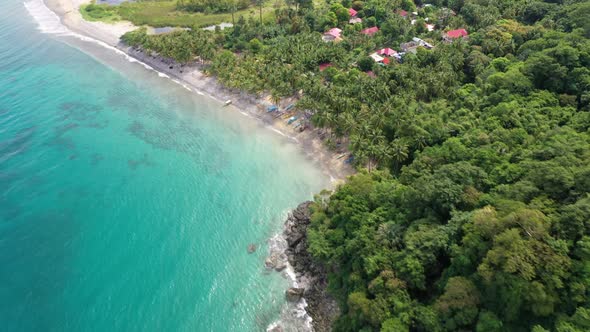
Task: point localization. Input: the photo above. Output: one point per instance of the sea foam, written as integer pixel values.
(294, 316)
(49, 22)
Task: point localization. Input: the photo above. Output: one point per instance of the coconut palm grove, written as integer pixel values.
(468, 121)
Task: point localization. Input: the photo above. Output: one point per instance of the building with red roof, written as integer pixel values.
(370, 31)
(455, 34)
(387, 52)
(352, 12)
(323, 66)
(402, 13)
(332, 35)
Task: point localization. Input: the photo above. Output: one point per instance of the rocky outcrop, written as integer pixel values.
(294, 294)
(251, 248)
(276, 261)
(311, 275)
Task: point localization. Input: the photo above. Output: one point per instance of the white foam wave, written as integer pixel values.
(294, 317)
(181, 84)
(47, 21)
(282, 133)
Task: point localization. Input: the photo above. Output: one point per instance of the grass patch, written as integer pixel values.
(164, 13)
(103, 13)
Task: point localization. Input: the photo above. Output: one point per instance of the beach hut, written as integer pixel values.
(370, 31)
(451, 35)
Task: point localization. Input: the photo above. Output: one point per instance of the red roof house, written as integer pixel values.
(370, 31)
(334, 32)
(323, 66)
(455, 34)
(387, 51)
(385, 61)
(352, 12)
(402, 13)
(332, 35)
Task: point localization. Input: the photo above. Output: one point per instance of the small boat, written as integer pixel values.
(227, 102)
(290, 106)
(271, 108)
(292, 119)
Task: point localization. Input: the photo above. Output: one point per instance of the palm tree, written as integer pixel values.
(399, 152)
(260, 4)
(233, 10)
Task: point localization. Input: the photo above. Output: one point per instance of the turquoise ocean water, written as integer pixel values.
(128, 203)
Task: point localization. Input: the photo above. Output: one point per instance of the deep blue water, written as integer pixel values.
(128, 203)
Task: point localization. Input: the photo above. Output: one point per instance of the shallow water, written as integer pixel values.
(126, 202)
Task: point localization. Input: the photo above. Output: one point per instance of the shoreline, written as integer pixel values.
(311, 277)
(309, 305)
(313, 309)
(193, 78)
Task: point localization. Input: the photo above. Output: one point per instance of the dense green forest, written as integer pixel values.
(471, 210)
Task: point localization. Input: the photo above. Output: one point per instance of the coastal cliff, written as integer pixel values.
(311, 276)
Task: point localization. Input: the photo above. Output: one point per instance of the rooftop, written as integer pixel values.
(370, 31)
(459, 33)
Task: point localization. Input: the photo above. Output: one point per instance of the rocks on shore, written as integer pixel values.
(251, 248)
(276, 328)
(276, 261)
(311, 276)
(294, 294)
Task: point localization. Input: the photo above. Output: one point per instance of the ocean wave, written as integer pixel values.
(49, 22)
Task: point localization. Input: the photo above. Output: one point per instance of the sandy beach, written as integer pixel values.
(330, 162)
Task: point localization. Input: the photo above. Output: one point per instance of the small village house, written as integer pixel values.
(387, 52)
(376, 57)
(324, 66)
(412, 46)
(449, 36)
(370, 31)
(332, 35)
